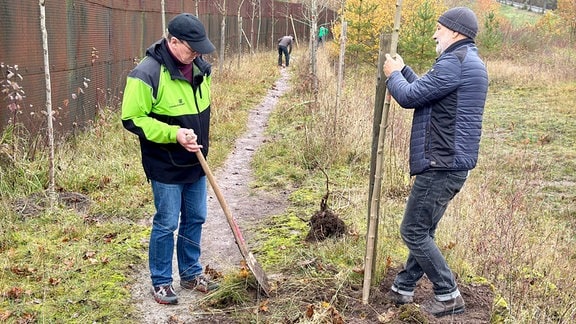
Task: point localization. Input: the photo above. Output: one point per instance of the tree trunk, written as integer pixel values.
(340, 71)
(222, 10)
(50, 127)
(252, 19)
(259, 24)
(313, 47)
(272, 37)
(239, 38)
(163, 13)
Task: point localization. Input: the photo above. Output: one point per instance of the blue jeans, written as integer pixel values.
(430, 195)
(283, 50)
(182, 207)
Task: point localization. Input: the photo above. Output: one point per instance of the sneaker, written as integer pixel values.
(443, 308)
(397, 298)
(200, 283)
(165, 295)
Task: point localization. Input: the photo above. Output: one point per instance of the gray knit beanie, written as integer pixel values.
(460, 19)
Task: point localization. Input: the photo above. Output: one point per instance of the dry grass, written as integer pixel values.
(514, 221)
(544, 69)
(73, 264)
(512, 225)
(508, 224)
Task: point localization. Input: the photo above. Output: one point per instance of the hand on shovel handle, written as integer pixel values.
(187, 138)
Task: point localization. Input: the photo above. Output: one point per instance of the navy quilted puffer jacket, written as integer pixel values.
(448, 104)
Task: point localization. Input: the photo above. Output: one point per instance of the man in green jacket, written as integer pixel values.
(166, 104)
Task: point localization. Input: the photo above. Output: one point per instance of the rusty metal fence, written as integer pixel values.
(93, 44)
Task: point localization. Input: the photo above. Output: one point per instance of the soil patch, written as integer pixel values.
(478, 298)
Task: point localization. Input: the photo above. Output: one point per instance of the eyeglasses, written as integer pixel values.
(192, 52)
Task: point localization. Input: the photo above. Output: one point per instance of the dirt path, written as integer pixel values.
(219, 250)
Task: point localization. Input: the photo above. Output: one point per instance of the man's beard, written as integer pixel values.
(439, 49)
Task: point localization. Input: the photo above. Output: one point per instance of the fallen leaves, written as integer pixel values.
(310, 311)
(14, 293)
(23, 271)
(388, 316)
(323, 313)
(108, 238)
(4, 315)
(213, 273)
(244, 271)
(263, 307)
(54, 281)
(90, 256)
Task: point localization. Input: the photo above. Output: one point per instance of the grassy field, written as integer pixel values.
(514, 221)
(519, 18)
(73, 264)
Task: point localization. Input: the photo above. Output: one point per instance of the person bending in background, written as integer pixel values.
(448, 104)
(285, 48)
(167, 105)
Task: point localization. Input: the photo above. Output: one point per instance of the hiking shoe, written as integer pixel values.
(443, 308)
(397, 298)
(200, 283)
(165, 295)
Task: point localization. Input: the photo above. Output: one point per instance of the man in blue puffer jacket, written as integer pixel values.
(448, 104)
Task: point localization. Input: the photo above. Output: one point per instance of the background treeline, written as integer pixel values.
(95, 43)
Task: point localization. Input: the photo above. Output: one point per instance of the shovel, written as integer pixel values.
(248, 256)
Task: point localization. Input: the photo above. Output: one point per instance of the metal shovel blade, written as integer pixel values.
(246, 254)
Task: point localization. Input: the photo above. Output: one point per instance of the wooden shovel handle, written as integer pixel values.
(223, 204)
(248, 257)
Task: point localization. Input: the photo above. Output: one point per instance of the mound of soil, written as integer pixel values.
(324, 224)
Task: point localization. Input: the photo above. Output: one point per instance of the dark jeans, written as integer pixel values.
(283, 50)
(430, 195)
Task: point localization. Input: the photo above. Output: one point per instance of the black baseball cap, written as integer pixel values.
(189, 28)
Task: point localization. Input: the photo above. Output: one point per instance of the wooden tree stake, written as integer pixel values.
(375, 190)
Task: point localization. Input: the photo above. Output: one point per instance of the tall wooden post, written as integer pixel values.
(378, 151)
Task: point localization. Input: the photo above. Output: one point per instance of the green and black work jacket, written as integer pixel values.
(158, 100)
